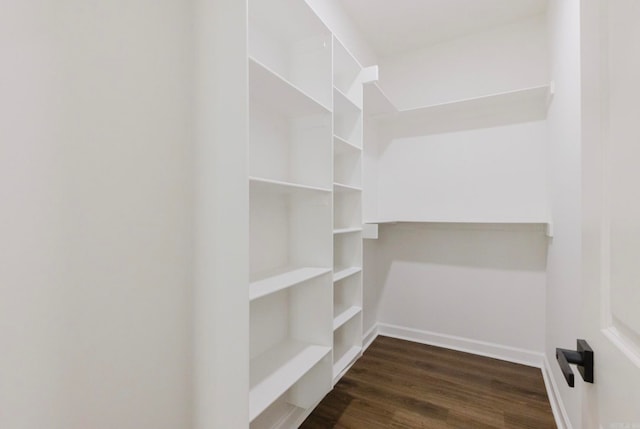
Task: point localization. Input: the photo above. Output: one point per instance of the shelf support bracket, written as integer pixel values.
(369, 74)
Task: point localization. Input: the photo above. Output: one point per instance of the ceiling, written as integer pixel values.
(396, 26)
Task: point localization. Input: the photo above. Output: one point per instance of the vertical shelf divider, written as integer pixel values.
(305, 203)
(347, 209)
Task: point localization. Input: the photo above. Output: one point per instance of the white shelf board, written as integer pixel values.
(370, 231)
(522, 105)
(341, 187)
(276, 370)
(345, 360)
(341, 146)
(462, 220)
(278, 187)
(548, 225)
(345, 272)
(268, 88)
(347, 230)
(345, 316)
(283, 279)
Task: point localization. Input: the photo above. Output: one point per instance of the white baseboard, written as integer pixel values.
(369, 336)
(492, 350)
(557, 406)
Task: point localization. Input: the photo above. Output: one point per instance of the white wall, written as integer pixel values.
(563, 264)
(480, 283)
(485, 175)
(503, 59)
(96, 218)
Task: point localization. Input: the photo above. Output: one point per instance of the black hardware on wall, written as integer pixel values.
(583, 357)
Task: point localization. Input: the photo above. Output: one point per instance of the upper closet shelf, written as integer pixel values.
(522, 105)
(548, 225)
(268, 88)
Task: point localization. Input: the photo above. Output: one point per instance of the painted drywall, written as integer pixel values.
(564, 257)
(486, 175)
(96, 220)
(482, 283)
(335, 17)
(503, 59)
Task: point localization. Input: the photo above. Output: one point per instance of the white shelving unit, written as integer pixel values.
(347, 209)
(290, 346)
(305, 224)
(291, 212)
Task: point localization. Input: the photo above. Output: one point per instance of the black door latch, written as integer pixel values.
(583, 357)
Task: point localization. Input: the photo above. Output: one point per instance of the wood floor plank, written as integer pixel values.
(405, 385)
(407, 420)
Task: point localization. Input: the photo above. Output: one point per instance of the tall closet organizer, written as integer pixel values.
(305, 125)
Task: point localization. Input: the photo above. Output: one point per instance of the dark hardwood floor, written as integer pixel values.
(400, 384)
